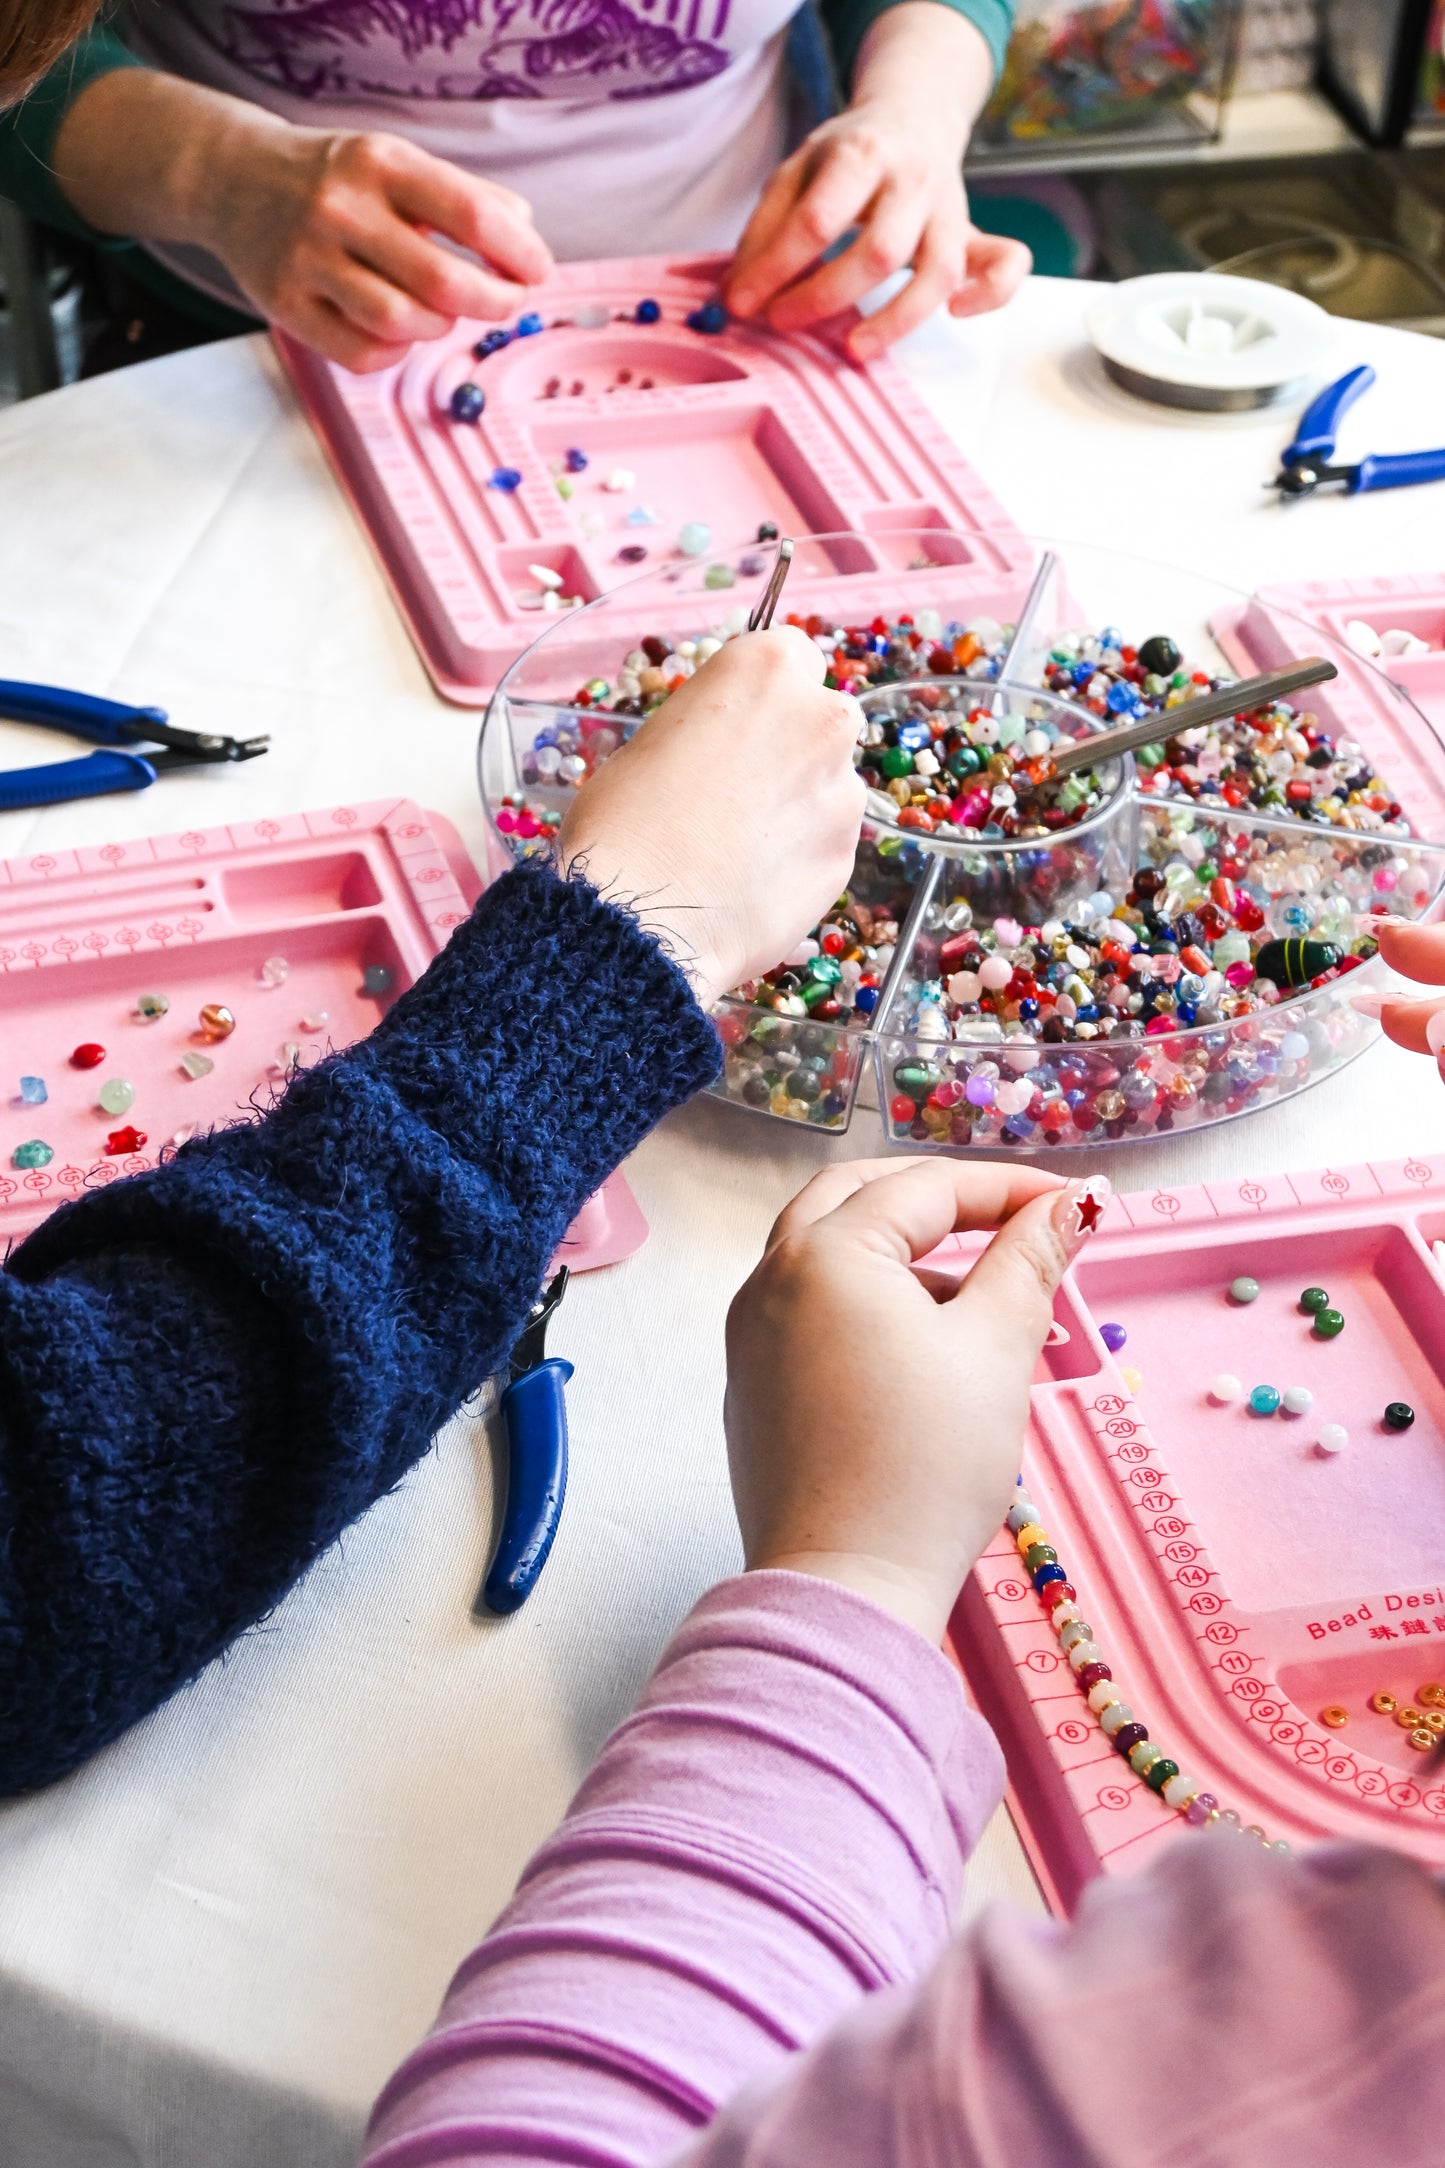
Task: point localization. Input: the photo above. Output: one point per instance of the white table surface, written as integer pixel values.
(217, 1939)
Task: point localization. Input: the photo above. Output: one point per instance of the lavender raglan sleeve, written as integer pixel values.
(779, 1829)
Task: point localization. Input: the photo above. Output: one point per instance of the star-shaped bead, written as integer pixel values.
(1088, 1211)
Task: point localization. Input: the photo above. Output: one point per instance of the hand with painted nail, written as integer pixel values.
(875, 1420)
(889, 171)
(1416, 952)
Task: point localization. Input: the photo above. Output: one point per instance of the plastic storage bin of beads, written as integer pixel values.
(612, 428)
(294, 935)
(954, 1058)
(1268, 630)
(1239, 1574)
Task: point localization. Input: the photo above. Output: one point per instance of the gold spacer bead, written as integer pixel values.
(1409, 1718)
(1434, 1720)
(1335, 1716)
(1432, 1696)
(1423, 1741)
(1385, 1703)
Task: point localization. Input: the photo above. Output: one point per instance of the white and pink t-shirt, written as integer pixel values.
(631, 126)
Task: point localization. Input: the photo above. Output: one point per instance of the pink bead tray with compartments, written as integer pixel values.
(1237, 1581)
(731, 429)
(194, 918)
(1271, 629)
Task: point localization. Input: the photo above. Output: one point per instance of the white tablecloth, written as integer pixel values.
(216, 1939)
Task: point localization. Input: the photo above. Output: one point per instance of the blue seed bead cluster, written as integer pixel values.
(1086, 1660)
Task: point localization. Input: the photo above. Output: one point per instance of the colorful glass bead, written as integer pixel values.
(1029, 1533)
(376, 979)
(576, 459)
(1143, 1755)
(150, 1008)
(1128, 1736)
(1133, 1379)
(116, 1095)
(196, 1065)
(1040, 1554)
(694, 537)
(1298, 1400)
(272, 971)
(1264, 1400)
(288, 1055)
(1021, 1514)
(1115, 1717)
(1295, 963)
(122, 1141)
(1244, 1289)
(1333, 1438)
(1328, 1324)
(619, 481)
(1180, 1791)
(1225, 1388)
(32, 1091)
(87, 1056)
(1113, 1337)
(711, 318)
(466, 403)
(1103, 1694)
(592, 316)
(216, 1020)
(316, 1021)
(1200, 1808)
(1335, 1716)
(507, 479)
(1384, 1703)
(1084, 1653)
(1094, 1674)
(529, 325)
(1073, 1633)
(631, 554)
(646, 312)
(37, 1153)
(718, 576)
(1160, 1773)
(1399, 1415)
(1312, 1300)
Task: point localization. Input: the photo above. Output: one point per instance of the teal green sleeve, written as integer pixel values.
(848, 19)
(28, 131)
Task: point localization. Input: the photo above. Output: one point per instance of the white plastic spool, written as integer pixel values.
(1203, 340)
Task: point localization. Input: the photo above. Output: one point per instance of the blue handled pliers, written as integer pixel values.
(534, 1412)
(109, 723)
(1306, 465)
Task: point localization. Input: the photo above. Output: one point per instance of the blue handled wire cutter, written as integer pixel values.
(534, 1415)
(1306, 465)
(156, 746)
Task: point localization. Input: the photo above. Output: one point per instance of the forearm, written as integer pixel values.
(208, 1371)
(147, 155)
(780, 1829)
(927, 56)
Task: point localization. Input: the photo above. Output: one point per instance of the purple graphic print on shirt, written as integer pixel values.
(468, 49)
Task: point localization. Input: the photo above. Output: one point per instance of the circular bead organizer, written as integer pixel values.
(1044, 967)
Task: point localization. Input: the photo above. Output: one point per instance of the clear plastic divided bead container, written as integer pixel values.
(959, 1081)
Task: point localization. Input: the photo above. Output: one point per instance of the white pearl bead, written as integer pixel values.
(1333, 1438)
(1115, 1717)
(1179, 1791)
(1225, 1388)
(1084, 1652)
(1075, 1631)
(1298, 1400)
(1103, 1696)
(1065, 1614)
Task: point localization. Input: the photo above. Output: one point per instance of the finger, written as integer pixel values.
(773, 211)
(1416, 952)
(935, 276)
(472, 213)
(942, 1196)
(995, 269)
(837, 194)
(886, 241)
(377, 308)
(1012, 1287)
(1409, 1024)
(796, 648)
(322, 326)
(438, 278)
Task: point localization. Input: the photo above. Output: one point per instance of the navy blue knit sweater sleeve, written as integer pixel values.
(207, 1371)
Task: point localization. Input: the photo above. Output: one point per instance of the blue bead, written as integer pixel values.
(576, 461)
(646, 312)
(1185, 1012)
(1045, 1574)
(1264, 1400)
(491, 343)
(1119, 696)
(866, 1000)
(467, 402)
(711, 317)
(505, 479)
(529, 325)
(32, 1091)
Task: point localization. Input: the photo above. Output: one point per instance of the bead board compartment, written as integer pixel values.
(1237, 1582)
(741, 426)
(84, 933)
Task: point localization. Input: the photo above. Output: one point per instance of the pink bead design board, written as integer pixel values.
(734, 428)
(1237, 1581)
(195, 917)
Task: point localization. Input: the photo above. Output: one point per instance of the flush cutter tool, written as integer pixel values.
(142, 744)
(534, 1415)
(1308, 463)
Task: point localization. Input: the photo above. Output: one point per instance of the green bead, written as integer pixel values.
(1314, 1298)
(34, 1154)
(966, 761)
(1040, 1554)
(894, 760)
(719, 576)
(1328, 1323)
(1244, 1289)
(825, 969)
(914, 1079)
(116, 1095)
(1161, 1773)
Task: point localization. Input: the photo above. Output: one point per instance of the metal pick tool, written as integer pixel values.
(762, 616)
(1161, 723)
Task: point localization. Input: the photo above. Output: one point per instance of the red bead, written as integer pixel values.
(1128, 1736)
(1248, 916)
(88, 1056)
(121, 1141)
(1091, 1674)
(902, 1110)
(1057, 1592)
(941, 662)
(833, 941)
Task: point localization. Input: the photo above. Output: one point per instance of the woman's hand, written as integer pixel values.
(875, 1426)
(339, 238)
(1416, 952)
(892, 166)
(730, 821)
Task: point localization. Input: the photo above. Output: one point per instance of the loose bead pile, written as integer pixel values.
(1424, 1725)
(1086, 1660)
